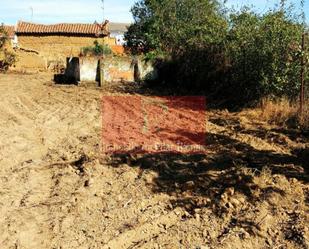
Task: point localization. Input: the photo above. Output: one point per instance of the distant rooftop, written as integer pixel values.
(65, 28)
(61, 28)
(118, 27)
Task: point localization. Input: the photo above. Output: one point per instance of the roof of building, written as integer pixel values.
(61, 28)
(118, 27)
(10, 30)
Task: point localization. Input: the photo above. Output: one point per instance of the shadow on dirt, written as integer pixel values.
(229, 164)
(233, 180)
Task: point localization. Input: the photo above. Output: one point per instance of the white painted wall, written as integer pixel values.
(88, 68)
(119, 37)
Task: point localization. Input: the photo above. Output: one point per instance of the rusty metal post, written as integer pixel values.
(302, 76)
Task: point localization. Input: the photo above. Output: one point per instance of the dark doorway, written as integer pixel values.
(71, 74)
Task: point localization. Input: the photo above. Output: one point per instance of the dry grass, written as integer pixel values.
(285, 112)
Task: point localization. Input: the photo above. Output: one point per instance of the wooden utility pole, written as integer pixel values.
(302, 76)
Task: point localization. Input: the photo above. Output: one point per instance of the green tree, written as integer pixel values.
(240, 56)
(173, 26)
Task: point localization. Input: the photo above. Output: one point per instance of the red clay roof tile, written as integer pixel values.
(62, 28)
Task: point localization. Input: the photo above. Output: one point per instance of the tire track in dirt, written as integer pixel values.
(50, 120)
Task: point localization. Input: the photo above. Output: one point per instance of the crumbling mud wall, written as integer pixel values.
(49, 52)
(127, 68)
(29, 61)
(117, 68)
(106, 69)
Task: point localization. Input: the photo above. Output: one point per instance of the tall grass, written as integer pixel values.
(285, 113)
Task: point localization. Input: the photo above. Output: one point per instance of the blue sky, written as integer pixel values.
(87, 11)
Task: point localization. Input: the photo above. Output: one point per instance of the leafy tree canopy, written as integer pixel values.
(207, 47)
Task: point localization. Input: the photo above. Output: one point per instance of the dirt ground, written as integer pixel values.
(250, 190)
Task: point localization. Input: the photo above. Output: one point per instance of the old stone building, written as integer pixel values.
(47, 46)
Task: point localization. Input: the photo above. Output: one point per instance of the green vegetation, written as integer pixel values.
(7, 58)
(96, 50)
(239, 56)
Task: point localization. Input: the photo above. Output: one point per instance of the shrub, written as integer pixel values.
(6, 58)
(96, 50)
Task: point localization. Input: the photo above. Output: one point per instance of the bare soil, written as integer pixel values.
(250, 190)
